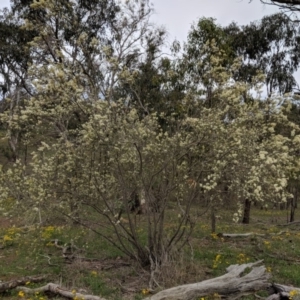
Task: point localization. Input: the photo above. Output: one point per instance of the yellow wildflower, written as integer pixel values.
(267, 244)
(292, 294)
(21, 294)
(7, 238)
(217, 261)
(214, 236)
(94, 273)
(145, 291)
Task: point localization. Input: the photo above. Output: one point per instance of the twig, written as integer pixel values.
(49, 260)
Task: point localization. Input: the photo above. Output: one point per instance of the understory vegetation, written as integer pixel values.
(101, 269)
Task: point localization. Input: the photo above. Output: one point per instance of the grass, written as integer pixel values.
(29, 251)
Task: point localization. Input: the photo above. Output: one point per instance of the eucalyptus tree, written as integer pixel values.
(270, 46)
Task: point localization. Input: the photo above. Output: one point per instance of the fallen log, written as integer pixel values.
(283, 292)
(9, 285)
(248, 234)
(59, 291)
(239, 280)
(290, 223)
(233, 235)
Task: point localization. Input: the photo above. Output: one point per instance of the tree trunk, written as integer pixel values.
(293, 204)
(247, 208)
(213, 220)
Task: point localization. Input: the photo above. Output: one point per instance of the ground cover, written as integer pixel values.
(93, 266)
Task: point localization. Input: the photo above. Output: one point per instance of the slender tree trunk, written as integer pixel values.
(293, 205)
(247, 209)
(213, 220)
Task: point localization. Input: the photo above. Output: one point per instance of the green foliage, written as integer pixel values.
(270, 46)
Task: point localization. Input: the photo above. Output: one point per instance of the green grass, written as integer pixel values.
(29, 251)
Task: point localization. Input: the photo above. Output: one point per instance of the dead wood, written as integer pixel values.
(57, 290)
(239, 280)
(278, 296)
(248, 234)
(290, 223)
(284, 288)
(233, 235)
(69, 250)
(282, 292)
(9, 285)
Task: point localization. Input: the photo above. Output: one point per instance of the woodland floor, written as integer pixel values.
(102, 270)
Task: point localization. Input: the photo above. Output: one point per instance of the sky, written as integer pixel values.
(178, 15)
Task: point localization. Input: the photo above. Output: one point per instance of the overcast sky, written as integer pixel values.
(178, 15)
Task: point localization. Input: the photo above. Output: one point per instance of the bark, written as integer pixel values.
(282, 292)
(235, 283)
(247, 208)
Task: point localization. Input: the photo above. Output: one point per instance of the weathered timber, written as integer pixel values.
(234, 235)
(282, 292)
(248, 234)
(239, 280)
